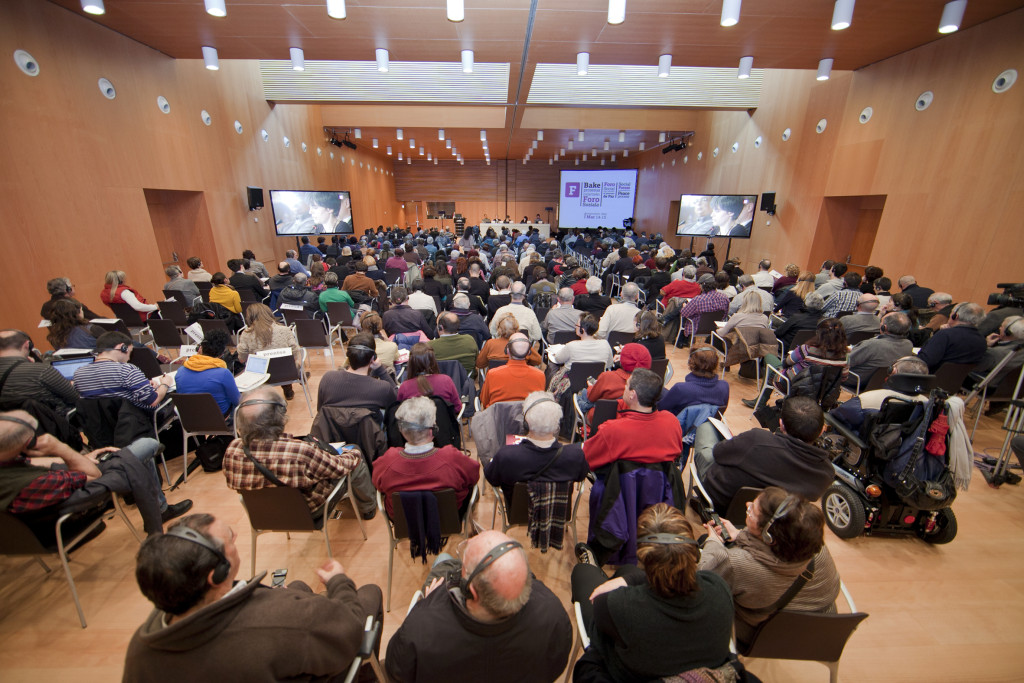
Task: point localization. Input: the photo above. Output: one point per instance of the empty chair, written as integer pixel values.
(311, 334)
(211, 324)
(619, 338)
(143, 359)
(199, 415)
(166, 334)
(339, 317)
(179, 297)
(282, 370)
(284, 509)
(950, 376)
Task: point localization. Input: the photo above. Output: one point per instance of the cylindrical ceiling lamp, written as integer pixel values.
(730, 12)
(456, 10)
(336, 9)
(842, 15)
(616, 11)
(746, 64)
(952, 15)
(383, 64)
(216, 8)
(664, 66)
(582, 63)
(467, 61)
(824, 69)
(298, 59)
(210, 58)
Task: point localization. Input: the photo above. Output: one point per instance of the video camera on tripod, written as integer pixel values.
(1012, 296)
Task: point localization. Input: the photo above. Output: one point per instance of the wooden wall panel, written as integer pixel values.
(77, 164)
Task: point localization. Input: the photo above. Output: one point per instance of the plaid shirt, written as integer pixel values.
(298, 464)
(843, 300)
(48, 489)
(709, 302)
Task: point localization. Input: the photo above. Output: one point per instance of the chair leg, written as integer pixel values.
(67, 574)
(327, 539)
(391, 568)
(184, 456)
(42, 564)
(833, 671)
(252, 553)
(355, 511)
(119, 509)
(305, 390)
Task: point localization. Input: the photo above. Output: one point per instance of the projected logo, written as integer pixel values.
(572, 190)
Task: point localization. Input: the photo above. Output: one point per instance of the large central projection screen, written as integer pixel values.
(596, 199)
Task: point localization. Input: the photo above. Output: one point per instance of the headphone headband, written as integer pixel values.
(262, 401)
(787, 504)
(490, 558)
(23, 423)
(223, 568)
(362, 348)
(537, 402)
(666, 539)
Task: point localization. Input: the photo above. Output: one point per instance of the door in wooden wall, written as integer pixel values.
(181, 225)
(846, 230)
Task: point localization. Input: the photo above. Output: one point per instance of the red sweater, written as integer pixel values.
(639, 437)
(680, 288)
(511, 382)
(443, 468)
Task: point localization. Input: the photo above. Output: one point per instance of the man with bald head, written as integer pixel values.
(863, 319)
(485, 617)
(514, 380)
(306, 464)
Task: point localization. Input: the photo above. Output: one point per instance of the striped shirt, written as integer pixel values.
(37, 381)
(110, 378)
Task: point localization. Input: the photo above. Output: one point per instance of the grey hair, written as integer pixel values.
(172, 271)
(492, 601)
(331, 279)
(461, 301)
(543, 417)
(631, 292)
(1014, 327)
(566, 294)
(593, 285)
(417, 414)
(299, 279)
(58, 285)
(689, 273)
(701, 261)
(518, 290)
(745, 280)
(940, 298)
(969, 314)
(814, 302)
(896, 324)
(265, 421)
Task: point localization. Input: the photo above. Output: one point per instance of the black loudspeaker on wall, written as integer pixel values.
(768, 203)
(256, 198)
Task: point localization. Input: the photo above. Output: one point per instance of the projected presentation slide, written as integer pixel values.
(596, 199)
(722, 215)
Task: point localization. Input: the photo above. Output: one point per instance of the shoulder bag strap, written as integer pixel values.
(549, 463)
(806, 575)
(262, 468)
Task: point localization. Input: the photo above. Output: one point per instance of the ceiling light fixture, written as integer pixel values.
(746, 64)
(570, 144)
(561, 152)
(93, 6)
(210, 58)
(456, 10)
(440, 133)
(412, 143)
(216, 8)
(358, 132)
(382, 60)
(824, 69)
(336, 9)
(375, 144)
(579, 135)
(643, 146)
(430, 156)
(540, 135)
(483, 136)
(842, 15)
(467, 61)
(298, 59)
(664, 66)
(400, 156)
(421, 151)
(448, 144)
(616, 11)
(398, 133)
(952, 15)
(730, 12)
(622, 136)
(389, 151)
(607, 144)
(661, 137)
(625, 153)
(582, 63)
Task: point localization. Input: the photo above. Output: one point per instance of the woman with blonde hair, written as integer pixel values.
(791, 301)
(263, 332)
(657, 620)
(116, 291)
(494, 349)
(750, 313)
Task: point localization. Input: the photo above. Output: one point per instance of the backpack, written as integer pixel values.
(406, 341)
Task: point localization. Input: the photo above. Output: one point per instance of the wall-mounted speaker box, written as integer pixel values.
(768, 203)
(255, 197)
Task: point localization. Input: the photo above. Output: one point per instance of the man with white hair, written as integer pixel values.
(297, 294)
(180, 284)
(593, 301)
(686, 288)
(919, 295)
(539, 457)
(863, 319)
(483, 617)
(959, 341)
(523, 313)
(941, 305)
(621, 317)
(563, 316)
(471, 321)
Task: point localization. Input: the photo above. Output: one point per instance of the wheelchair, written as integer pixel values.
(885, 482)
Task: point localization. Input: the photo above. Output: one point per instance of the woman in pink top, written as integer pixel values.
(425, 379)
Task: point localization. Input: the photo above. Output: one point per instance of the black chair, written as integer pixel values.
(580, 371)
(199, 415)
(129, 315)
(562, 337)
(282, 371)
(339, 317)
(737, 512)
(517, 512)
(179, 297)
(705, 327)
(950, 376)
(143, 359)
(211, 324)
(204, 287)
(661, 367)
(246, 294)
(166, 333)
(855, 338)
(291, 315)
(802, 337)
(174, 311)
(619, 338)
(496, 363)
(311, 334)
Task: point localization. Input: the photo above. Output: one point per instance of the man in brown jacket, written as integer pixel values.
(360, 281)
(206, 626)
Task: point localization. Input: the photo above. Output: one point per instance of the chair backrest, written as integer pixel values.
(447, 507)
(165, 332)
(144, 360)
(199, 413)
(246, 294)
(605, 409)
(128, 314)
(16, 538)
(802, 635)
(392, 276)
(116, 326)
(519, 509)
(311, 334)
(562, 337)
(707, 322)
(179, 297)
(291, 316)
(203, 286)
(246, 305)
(951, 376)
(339, 313)
(876, 381)
(282, 370)
(619, 338)
(802, 337)
(737, 512)
(855, 338)
(174, 311)
(496, 363)
(579, 372)
(277, 508)
(660, 368)
(211, 324)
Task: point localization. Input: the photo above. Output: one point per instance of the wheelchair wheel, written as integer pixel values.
(945, 530)
(844, 511)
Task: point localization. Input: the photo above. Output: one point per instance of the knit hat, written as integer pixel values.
(706, 277)
(634, 356)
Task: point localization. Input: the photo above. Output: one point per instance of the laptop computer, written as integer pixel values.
(67, 367)
(255, 373)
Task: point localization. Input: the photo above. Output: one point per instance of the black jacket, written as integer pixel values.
(403, 319)
(251, 282)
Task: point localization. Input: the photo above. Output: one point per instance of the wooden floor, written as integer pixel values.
(937, 613)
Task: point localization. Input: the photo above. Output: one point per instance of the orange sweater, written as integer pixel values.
(511, 382)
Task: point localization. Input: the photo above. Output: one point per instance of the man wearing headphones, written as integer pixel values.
(882, 350)
(21, 377)
(265, 455)
(483, 617)
(758, 458)
(853, 412)
(208, 626)
(111, 375)
(514, 380)
(958, 341)
(61, 288)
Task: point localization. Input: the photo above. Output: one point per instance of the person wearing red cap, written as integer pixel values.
(610, 384)
(640, 433)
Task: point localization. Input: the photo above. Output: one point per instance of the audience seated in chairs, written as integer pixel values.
(209, 626)
(649, 334)
(806, 318)
(524, 315)
(593, 301)
(759, 458)
(116, 291)
(222, 293)
(420, 465)
(863, 319)
(61, 288)
(619, 317)
(783, 534)
(403, 319)
(791, 301)
(387, 350)
(262, 333)
(700, 386)
(366, 382)
(496, 348)
(587, 348)
(483, 617)
(264, 455)
(206, 373)
(450, 345)
(423, 378)
(296, 293)
(563, 316)
(514, 380)
(880, 351)
(612, 383)
(657, 621)
(69, 328)
(959, 341)
(180, 284)
(30, 491)
(30, 379)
